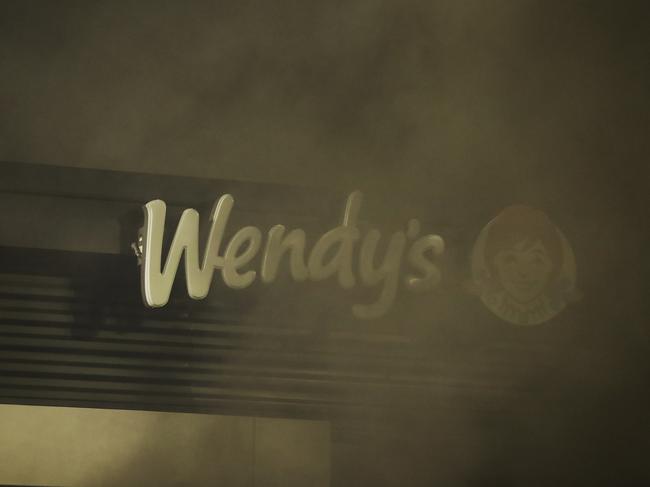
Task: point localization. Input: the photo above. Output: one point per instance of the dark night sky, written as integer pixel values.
(470, 105)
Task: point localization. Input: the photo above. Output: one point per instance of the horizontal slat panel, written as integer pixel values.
(65, 339)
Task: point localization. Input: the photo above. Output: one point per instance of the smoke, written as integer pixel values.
(447, 111)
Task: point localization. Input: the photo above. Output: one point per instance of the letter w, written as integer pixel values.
(157, 285)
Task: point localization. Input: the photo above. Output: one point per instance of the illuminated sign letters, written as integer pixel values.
(331, 256)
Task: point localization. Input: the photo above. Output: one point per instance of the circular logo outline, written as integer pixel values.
(525, 229)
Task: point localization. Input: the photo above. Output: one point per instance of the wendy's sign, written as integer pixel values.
(523, 268)
(333, 255)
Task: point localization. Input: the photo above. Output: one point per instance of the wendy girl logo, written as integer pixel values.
(523, 267)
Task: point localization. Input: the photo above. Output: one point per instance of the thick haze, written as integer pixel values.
(328, 93)
(462, 107)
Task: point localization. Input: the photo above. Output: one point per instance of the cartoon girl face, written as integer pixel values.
(523, 252)
(524, 269)
(523, 266)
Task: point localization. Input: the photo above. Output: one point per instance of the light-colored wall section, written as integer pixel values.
(94, 447)
(291, 452)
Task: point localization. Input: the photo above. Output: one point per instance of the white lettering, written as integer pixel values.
(331, 255)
